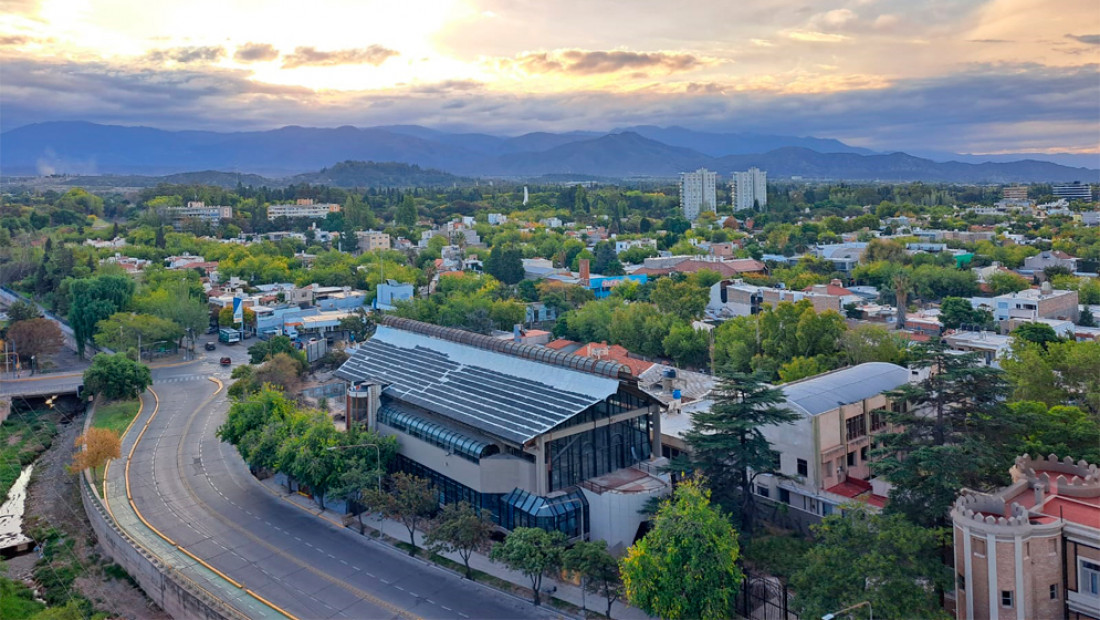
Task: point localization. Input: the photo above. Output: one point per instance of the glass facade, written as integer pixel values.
(596, 452)
(436, 434)
(563, 513)
(450, 491)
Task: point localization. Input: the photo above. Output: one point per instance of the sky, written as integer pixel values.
(966, 76)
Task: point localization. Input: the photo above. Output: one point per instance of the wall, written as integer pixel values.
(161, 583)
(615, 517)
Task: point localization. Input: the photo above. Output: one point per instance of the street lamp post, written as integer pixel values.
(378, 464)
(866, 604)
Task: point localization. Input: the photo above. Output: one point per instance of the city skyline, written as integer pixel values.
(971, 77)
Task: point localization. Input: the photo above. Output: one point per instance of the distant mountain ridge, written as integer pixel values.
(643, 151)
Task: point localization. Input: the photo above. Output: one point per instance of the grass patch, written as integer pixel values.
(17, 600)
(23, 436)
(116, 415)
(56, 572)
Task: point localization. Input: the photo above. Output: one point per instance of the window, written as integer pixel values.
(1053, 591)
(1006, 598)
(855, 427)
(777, 462)
(864, 453)
(962, 581)
(979, 547)
(852, 459)
(1089, 578)
(1053, 545)
(803, 467)
(785, 496)
(878, 421)
(828, 469)
(762, 491)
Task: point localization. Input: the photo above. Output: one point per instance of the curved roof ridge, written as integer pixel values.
(825, 392)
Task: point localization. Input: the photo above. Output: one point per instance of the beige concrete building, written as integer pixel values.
(1032, 549)
(1031, 304)
(371, 240)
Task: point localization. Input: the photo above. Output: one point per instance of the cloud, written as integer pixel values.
(187, 55)
(309, 56)
(1091, 39)
(583, 62)
(15, 39)
(990, 41)
(255, 52)
(984, 108)
(813, 36)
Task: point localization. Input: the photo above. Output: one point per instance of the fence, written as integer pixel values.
(328, 390)
(763, 597)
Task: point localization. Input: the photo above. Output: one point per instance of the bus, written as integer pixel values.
(229, 335)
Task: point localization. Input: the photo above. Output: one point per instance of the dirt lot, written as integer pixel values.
(53, 501)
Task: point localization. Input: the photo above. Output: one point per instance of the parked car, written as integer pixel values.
(213, 329)
(210, 346)
(226, 361)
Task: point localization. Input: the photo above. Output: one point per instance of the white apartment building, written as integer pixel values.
(749, 189)
(698, 193)
(303, 207)
(197, 210)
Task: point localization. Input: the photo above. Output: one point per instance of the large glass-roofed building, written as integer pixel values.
(537, 437)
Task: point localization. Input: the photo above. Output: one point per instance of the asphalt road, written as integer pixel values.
(197, 491)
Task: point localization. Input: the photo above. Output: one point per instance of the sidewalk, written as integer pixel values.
(396, 530)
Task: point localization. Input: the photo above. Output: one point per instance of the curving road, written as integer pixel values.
(197, 491)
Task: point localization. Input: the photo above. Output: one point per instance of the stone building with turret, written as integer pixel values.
(1031, 549)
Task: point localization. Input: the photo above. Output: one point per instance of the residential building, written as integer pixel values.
(844, 256)
(1040, 303)
(1015, 193)
(733, 297)
(1073, 191)
(749, 189)
(537, 437)
(496, 218)
(990, 346)
(1090, 218)
(538, 312)
(371, 240)
(303, 207)
(551, 222)
(1031, 549)
(117, 242)
(391, 291)
(666, 265)
(698, 193)
(196, 210)
(825, 454)
(622, 245)
(1050, 258)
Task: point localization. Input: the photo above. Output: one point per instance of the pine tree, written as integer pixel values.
(951, 425)
(727, 442)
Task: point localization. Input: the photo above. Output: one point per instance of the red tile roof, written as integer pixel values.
(616, 353)
(559, 344)
(856, 488)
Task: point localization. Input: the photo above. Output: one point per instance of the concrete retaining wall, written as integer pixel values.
(164, 585)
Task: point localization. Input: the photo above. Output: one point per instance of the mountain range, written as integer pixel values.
(642, 151)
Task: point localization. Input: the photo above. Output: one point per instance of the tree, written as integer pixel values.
(872, 343)
(597, 568)
(727, 442)
(35, 338)
(94, 299)
(268, 349)
(533, 552)
(686, 566)
(683, 299)
(124, 330)
(1004, 282)
(802, 367)
(505, 264)
(99, 445)
(1039, 333)
(22, 311)
(902, 287)
(410, 499)
(116, 376)
(886, 250)
(1061, 430)
(958, 311)
(306, 453)
(1086, 319)
(358, 325)
(281, 371)
(951, 434)
(882, 559)
(686, 345)
(461, 529)
(406, 214)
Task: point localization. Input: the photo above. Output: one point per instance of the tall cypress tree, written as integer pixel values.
(727, 443)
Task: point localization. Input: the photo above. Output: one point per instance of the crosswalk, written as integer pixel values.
(179, 379)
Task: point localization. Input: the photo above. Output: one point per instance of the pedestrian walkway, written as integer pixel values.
(568, 592)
